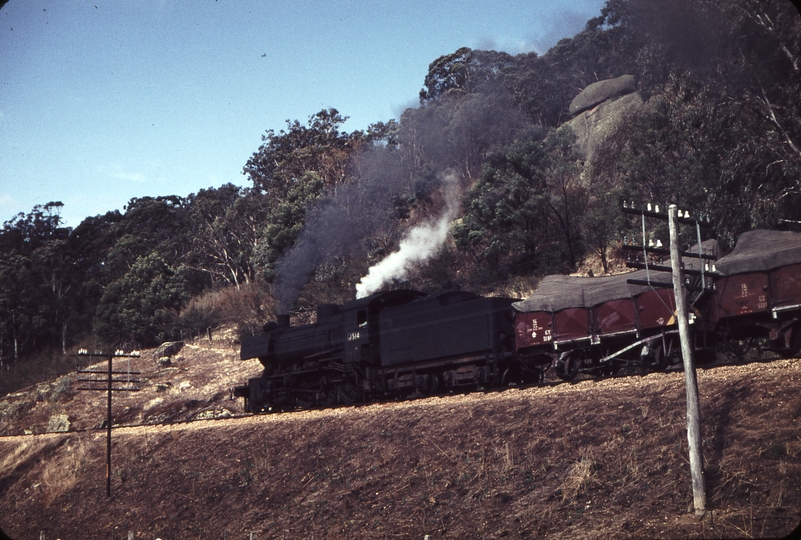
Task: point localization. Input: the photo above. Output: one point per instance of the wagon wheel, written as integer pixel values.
(660, 361)
(609, 369)
(510, 376)
(567, 367)
(792, 338)
(795, 341)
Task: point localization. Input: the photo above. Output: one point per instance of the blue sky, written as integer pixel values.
(103, 101)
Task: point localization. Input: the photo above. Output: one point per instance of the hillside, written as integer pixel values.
(596, 459)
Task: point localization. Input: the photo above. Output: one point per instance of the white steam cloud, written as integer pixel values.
(420, 243)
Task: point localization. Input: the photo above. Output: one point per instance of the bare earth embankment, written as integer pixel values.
(605, 459)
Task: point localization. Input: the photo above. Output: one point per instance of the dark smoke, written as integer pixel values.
(453, 133)
(350, 214)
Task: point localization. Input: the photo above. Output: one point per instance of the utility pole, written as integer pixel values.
(108, 385)
(674, 217)
(691, 383)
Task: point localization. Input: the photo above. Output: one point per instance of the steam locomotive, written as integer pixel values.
(404, 342)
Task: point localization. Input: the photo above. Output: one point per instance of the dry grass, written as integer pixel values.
(60, 475)
(593, 460)
(580, 476)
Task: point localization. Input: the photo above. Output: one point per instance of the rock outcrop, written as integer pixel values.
(594, 126)
(58, 423)
(600, 109)
(166, 351)
(601, 91)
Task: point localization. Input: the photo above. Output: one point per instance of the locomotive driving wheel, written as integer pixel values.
(304, 400)
(327, 395)
(349, 392)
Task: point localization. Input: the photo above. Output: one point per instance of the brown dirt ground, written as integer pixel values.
(592, 459)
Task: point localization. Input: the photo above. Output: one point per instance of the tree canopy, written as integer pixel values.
(720, 132)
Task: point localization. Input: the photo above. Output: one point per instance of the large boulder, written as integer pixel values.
(167, 350)
(601, 91)
(592, 127)
(58, 423)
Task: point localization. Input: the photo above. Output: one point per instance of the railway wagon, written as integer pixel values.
(598, 324)
(390, 343)
(575, 323)
(758, 293)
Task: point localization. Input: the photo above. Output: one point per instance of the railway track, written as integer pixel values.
(228, 416)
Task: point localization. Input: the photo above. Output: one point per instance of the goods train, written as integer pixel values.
(405, 342)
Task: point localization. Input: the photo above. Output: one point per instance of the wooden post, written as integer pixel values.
(123, 385)
(108, 429)
(693, 405)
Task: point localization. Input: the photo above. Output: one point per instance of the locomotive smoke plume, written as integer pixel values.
(419, 244)
(340, 222)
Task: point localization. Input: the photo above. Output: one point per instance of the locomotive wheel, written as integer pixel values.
(348, 393)
(427, 385)
(250, 406)
(433, 385)
(304, 400)
(327, 396)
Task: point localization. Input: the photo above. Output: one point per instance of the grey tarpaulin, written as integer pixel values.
(761, 250)
(561, 292)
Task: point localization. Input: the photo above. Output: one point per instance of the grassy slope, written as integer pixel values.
(592, 459)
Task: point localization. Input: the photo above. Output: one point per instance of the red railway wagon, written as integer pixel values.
(759, 291)
(576, 322)
(567, 311)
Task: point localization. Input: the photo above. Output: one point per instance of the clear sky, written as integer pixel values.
(102, 101)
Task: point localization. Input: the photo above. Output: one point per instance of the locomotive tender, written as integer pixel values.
(407, 343)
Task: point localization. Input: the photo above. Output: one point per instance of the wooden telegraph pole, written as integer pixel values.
(109, 384)
(691, 383)
(685, 337)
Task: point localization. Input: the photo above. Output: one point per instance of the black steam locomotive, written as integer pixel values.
(391, 343)
(407, 343)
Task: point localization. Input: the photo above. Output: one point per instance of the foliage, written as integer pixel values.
(720, 133)
(285, 221)
(458, 131)
(134, 309)
(226, 224)
(467, 71)
(285, 158)
(503, 209)
(521, 216)
(37, 281)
